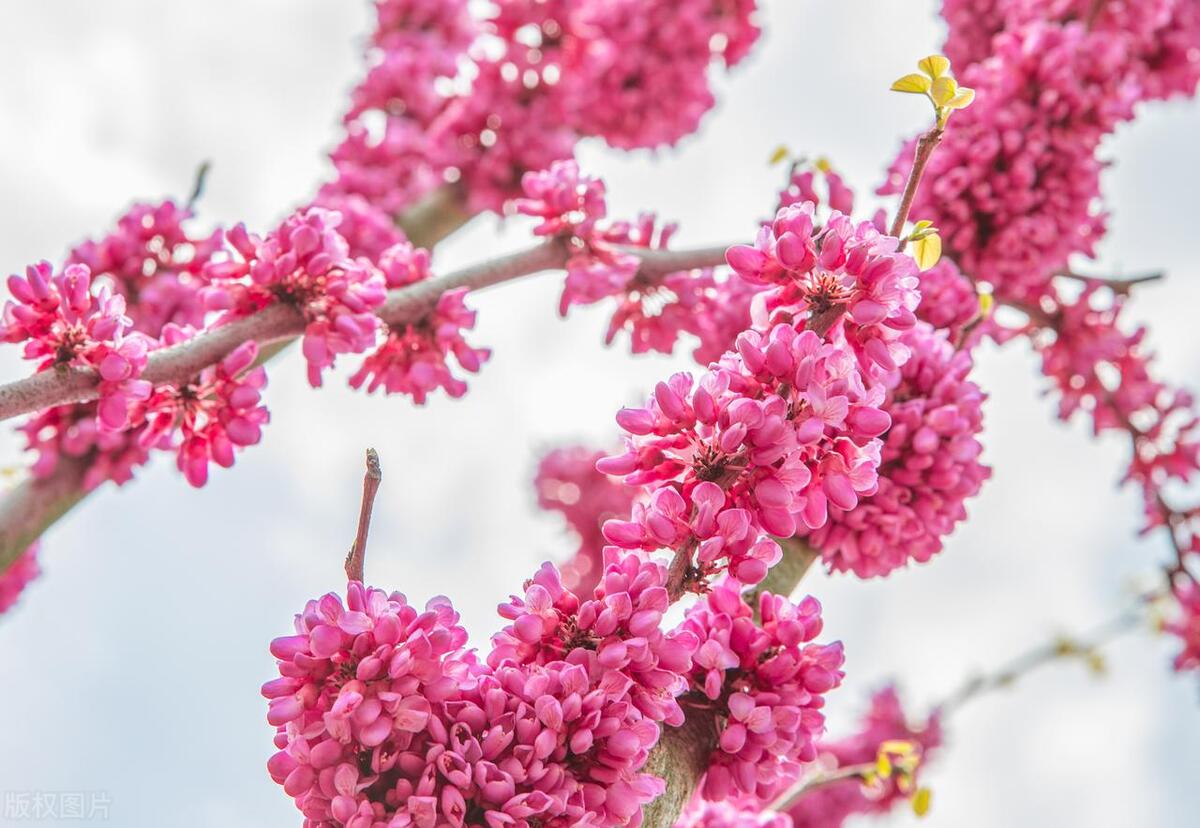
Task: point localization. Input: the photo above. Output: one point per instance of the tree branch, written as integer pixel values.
(41, 503)
(27, 510)
(277, 322)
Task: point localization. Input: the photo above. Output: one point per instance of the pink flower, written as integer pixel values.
(63, 321)
(929, 465)
(205, 419)
(304, 263)
(842, 266)
(567, 482)
(156, 263)
(1185, 625)
(768, 438)
(767, 684)
(415, 359)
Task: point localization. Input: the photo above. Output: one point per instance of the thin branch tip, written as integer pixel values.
(356, 558)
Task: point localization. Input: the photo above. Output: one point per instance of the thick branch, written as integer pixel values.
(181, 362)
(33, 505)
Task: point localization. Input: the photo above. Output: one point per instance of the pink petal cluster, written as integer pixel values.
(156, 262)
(70, 434)
(843, 265)
(1161, 34)
(477, 103)
(766, 685)
(64, 319)
(802, 187)
(365, 709)
(630, 672)
(929, 465)
(702, 813)
(714, 308)
(1184, 625)
(766, 440)
(829, 806)
(205, 419)
(305, 263)
(368, 229)
(17, 576)
(635, 73)
(567, 482)
(384, 720)
(949, 302)
(415, 357)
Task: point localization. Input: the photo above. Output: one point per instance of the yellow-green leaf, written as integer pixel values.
(822, 164)
(900, 747)
(962, 98)
(780, 154)
(927, 250)
(914, 83)
(935, 65)
(986, 303)
(921, 801)
(943, 90)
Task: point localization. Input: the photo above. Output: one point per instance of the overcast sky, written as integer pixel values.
(132, 667)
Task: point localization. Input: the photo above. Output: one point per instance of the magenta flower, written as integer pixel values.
(206, 419)
(63, 321)
(929, 465)
(307, 264)
(567, 482)
(766, 685)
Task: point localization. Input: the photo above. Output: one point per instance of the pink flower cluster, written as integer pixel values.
(383, 719)
(847, 268)
(367, 703)
(1185, 625)
(701, 813)
(540, 75)
(766, 685)
(713, 308)
(1160, 34)
(156, 261)
(63, 319)
(567, 482)
(218, 410)
(763, 443)
(304, 263)
(415, 357)
(831, 805)
(17, 576)
(929, 467)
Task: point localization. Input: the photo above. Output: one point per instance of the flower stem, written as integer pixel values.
(926, 144)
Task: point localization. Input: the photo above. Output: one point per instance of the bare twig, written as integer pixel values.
(358, 550)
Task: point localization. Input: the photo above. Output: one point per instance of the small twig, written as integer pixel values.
(1115, 283)
(198, 184)
(807, 785)
(926, 144)
(358, 551)
(1060, 647)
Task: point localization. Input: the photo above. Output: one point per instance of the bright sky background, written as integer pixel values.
(132, 667)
